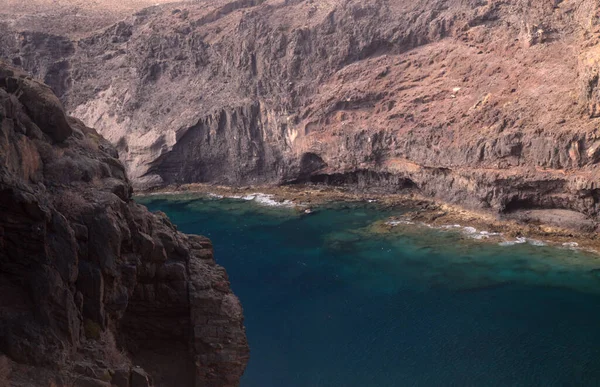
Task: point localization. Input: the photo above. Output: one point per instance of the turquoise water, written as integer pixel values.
(329, 301)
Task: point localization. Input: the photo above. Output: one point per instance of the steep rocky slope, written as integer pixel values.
(489, 104)
(73, 18)
(91, 283)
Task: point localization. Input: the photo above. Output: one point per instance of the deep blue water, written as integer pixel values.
(330, 302)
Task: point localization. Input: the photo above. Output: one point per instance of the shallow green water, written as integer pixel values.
(330, 302)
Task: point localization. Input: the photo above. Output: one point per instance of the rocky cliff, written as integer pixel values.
(92, 285)
(488, 104)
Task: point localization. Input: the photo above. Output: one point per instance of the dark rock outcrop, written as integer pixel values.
(81, 264)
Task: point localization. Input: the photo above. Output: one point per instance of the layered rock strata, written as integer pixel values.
(488, 104)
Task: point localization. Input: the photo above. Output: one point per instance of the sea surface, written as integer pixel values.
(339, 298)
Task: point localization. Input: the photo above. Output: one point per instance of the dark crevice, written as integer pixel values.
(517, 204)
(366, 180)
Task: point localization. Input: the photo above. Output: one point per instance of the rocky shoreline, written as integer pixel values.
(553, 227)
(378, 95)
(489, 105)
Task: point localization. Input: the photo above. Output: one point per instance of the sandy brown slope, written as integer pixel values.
(70, 17)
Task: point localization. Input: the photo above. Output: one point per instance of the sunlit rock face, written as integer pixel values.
(89, 280)
(491, 105)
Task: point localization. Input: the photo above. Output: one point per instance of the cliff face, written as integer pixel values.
(86, 272)
(489, 104)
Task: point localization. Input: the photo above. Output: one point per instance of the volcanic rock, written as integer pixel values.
(487, 104)
(89, 280)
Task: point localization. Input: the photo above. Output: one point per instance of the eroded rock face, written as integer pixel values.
(79, 260)
(489, 104)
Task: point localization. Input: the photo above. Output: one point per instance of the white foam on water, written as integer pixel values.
(259, 198)
(571, 245)
(479, 236)
(535, 242)
(469, 230)
(517, 241)
(162, 193)
(268, 200)
(451, 226)
(490, 233)
(507, 243)
(473, 233)
(395, 223)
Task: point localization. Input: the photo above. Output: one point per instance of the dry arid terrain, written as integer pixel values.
(70, 17)
(492, 105)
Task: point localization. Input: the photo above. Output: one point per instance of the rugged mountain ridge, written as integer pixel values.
(92, 285)
(488, 104)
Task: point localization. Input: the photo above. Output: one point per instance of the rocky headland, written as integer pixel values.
(94, 289)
